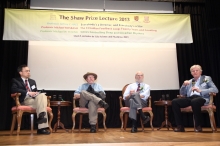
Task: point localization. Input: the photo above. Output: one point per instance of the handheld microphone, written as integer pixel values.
(193, 83)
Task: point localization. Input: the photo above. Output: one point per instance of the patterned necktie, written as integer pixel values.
(138, 88)
(26, 85)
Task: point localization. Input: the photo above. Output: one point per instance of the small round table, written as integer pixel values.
(59, 104)
(164, 103)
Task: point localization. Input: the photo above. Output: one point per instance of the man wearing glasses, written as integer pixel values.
(31, 97)
(135, 96)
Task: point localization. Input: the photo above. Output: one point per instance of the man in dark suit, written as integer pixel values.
(31, 97)
(197, 92)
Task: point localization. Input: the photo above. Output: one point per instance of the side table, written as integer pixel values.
(59, 104)
(164, 103)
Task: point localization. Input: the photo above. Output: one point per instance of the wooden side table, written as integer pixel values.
(164, 103)
(59, 104)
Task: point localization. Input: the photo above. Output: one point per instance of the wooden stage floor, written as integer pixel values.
(114, 136)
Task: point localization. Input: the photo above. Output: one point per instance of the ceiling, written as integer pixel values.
(191, 1)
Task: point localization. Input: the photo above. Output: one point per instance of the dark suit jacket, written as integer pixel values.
(18, 86)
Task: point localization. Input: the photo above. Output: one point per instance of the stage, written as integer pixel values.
(114, 136)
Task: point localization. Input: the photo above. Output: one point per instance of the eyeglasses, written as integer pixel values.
(195, 71)
(26, 71)
(140, 75)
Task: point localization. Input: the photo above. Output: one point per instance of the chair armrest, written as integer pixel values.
(74, 102)
(149, 101)
(15, 96)
(120, 101)
(212, 95)
(48, 101)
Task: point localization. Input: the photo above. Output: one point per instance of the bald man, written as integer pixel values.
(135, 96)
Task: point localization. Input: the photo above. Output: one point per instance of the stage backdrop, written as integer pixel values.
(60, 65)
(50, 25)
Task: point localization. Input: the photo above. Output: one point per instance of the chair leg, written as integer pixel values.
(151, 120)
(19, 119)
(97, 124)
(32, 123)
(80, 122)
(50, 120)
(126, 120)
(73, 118)
(142, 126)
(104, 119)
(13, 123)
(212, 120)
(122, 120)
(194, 123)
(214, 124)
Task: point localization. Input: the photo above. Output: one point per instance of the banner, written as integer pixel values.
(50, 25)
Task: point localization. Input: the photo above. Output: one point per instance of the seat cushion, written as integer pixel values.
(205, 107)
(101, 110)
(81, 110)
(146, 109)
(86, 110)
(186, 109)
(125, 109)
(26, 108)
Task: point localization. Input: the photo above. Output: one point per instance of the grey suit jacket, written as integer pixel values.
(206, 86)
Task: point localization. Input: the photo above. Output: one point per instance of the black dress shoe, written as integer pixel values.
(93, 129)
(179, 128)
(198, 129)
(146, 119)
(133, 129)
(103, 104)
(41, 119)
(43, 131)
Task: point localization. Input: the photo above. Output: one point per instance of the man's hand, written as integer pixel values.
(132, 92)
(32, 94)
(142, 96)
(196, 89)
(186, 82)
(76, 96)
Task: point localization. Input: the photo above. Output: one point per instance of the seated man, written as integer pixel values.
(30, 97)
(90, 95)
(135, 97)
(197, 92)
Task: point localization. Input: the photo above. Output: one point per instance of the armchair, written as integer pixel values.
(18, 110)
(124, 111)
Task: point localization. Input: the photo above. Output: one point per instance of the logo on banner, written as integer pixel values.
(146, 19)
(136, 18)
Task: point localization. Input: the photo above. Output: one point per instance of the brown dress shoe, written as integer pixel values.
(179, 128)
(198, 129)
